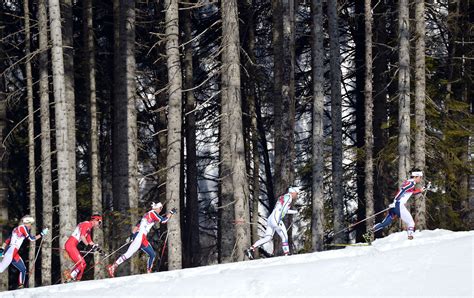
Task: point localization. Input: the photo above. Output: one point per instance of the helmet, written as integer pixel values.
(156, 205)
(27, 219)
(97, 217)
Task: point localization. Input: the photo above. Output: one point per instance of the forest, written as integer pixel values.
(216, 108)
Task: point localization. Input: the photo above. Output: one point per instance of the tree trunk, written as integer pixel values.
(404, 92)
(3, 162)
(380, 117)
(173, 161)
(277, 45)
(317, 219)
(94, 165)
(336, 115)
(193, 247)
(369, 107)
(252, 102)
(420, 94)
(46, 184)
(231, 105)
(125, 183)
(67, 204)
(358, 34)
(68, 50)
(31, 143)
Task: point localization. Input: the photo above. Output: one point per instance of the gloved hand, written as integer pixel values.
(391, 205)
(1, 252)
(131, 237)
(94, 247)
(173, 211)
(44, 232)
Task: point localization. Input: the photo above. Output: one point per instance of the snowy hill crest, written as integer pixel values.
(436, 263)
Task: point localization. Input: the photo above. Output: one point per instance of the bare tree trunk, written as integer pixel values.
(173, 161)
(31, 142)
(67, 203)
(231, 105)
(46, 185)
(317, 219)
(68, 49)
(336, 114)
(94, 165)
(369, 107)
(193, 247)
(252, 102)
(278, 65)
(404, 92)
(3, 162)
(420, 94)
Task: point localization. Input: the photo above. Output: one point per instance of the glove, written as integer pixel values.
(44, 232)
(132, 237)
(1, 252)
(173, 211)
(94, 247)
(391, 205)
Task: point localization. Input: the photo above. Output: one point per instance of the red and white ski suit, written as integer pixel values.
(83, 229)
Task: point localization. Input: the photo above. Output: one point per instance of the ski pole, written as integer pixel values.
(163, 250)
(360, 221)
(106, 257)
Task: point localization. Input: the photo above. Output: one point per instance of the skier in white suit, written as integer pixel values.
(275, 223)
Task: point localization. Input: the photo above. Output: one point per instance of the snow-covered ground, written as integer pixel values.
(435, 263)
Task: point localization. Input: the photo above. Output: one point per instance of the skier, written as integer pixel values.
(275, 223)
(81, 233)
(398, 208)
(139, 237)
(12, 245)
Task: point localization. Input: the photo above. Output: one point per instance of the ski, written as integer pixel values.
(349, 244)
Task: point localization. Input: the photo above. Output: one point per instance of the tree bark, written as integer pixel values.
(420, 95)
(3, 162)
(336, 115)
(46, 184)
(317, 219)
(68, 50)
(67, 203)
(404, 91)
(193, 247)
(94, 165)
(369, 107)
(173, 161)
(31, 142)
(125, 183)
(231, 105)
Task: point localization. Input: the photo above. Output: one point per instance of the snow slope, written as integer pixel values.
(435, 263)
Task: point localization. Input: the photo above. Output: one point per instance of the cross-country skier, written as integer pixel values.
(398, 208)
(11, 246)
(139, 237)
(275, 223)
(81, 233)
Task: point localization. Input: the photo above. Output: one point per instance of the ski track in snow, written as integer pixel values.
(435, 264)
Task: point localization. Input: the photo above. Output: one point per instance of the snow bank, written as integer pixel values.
(435, 263)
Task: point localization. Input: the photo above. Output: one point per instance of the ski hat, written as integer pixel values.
(27, 219)
(293, 189)
(97, 217)
(417, 174)
(156, 205)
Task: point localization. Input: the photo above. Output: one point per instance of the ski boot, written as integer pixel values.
(368, 237)
(111, 270)
(20, 286)
(410, 237)
(265, 253)
(249, 253)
